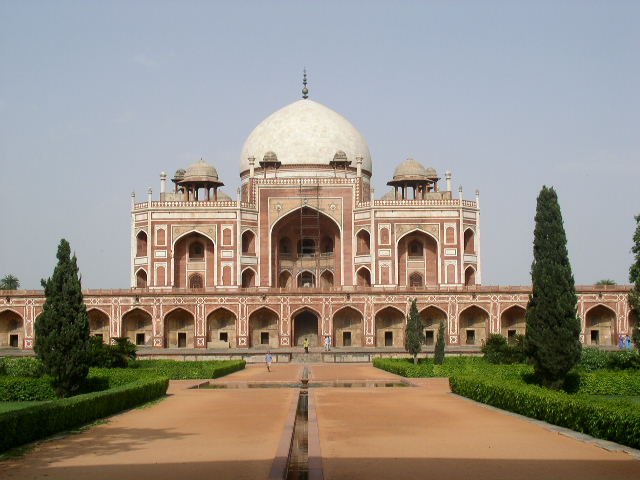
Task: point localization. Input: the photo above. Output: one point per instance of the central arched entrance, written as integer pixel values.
(305, 325)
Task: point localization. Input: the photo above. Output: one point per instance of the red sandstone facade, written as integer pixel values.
(305, 251)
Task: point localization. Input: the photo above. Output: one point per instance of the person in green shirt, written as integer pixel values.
(305, 344)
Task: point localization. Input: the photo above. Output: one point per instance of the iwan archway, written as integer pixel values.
(305, 326)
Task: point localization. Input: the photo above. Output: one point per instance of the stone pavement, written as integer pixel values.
(372, 433)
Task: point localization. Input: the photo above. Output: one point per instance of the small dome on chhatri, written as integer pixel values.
(270, 157)
(223, 197)
(389, 196)
(431, 172)
(340, 156)
(201, 171)
(410, 169)
(179, 175)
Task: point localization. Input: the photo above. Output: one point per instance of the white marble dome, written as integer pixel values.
(305, 133)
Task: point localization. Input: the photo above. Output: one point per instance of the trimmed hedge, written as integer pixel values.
(26, 425)
(451, 366)
(610, 421)
(177, 370)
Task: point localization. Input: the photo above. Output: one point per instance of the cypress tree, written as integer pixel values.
(553, 329)
(414, 336)
(438, 356)
(634, 278)
(62, 329)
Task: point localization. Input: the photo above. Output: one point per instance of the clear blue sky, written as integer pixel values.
(97, 98)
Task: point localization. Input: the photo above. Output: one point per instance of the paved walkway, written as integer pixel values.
(372, 433)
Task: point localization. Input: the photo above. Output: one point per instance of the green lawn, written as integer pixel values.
(8, 406)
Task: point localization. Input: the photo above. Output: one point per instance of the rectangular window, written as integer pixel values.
(428, 337)
(346, 339)
(595, 337)
(13, 341)
(264, 338)
(388, 339)
(139, 338)
(224, 336)
(182, 340)
(471, 337)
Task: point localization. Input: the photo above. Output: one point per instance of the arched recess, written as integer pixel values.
(469, 242)
(248, 243)
(248, 278)
(141, 278)
(285, 280)
(384, 236)
(141, 244)
(221, 329)
(363, 243)
(11, 329)
(137, 327)
(193, 253)
(415, 279)
(450, 235)
(430, 318)
(305, 325)
(348, 328)
(196, 281)
(470, 276)
(263, 328)
(390, 328)
(418, 252)
(301, 240)
(306, 279)
(326, 279)
(600, 326)
(512, 322)
(99, 324)
(473, 323)
(179, 329)
(363, 277)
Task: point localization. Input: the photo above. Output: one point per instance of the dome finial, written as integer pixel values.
(305, 90)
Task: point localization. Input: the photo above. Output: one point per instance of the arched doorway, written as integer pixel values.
(305, 325)
(347, 328)
(263, 328)
(284, 280)
(470, 276)
(179, 329)
(600, 324)
(194, 254)
(221, 329)
(512, 322)
(141, 279)
(417, 253)
(99, 324)
(390, 328)
(11, 329)
(363, 277)
(306, 280)
(430, 318)
(326, 279)
(248, 278)
(137, 327)
(473, 326)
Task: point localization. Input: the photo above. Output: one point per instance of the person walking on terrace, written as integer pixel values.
(305, 344)
(327, 343)
(268, 358)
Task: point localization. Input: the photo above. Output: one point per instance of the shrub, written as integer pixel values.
(609, 383)
(623, 360)
(496, 350)
(111, 356)
(189, 370)
(17, 389)
(33, 423)
(21, 367)
(616, 422)
(592, 359)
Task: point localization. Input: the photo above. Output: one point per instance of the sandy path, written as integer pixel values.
(349, 372)
(424, 432)
(191, 434)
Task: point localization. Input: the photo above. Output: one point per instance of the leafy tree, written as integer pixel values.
(111, 356)
(553, 328)
(606, 281)
(9, 282)
(62, 329)
(634, 278)
(499, 350)
(414, 336)
(438, 356)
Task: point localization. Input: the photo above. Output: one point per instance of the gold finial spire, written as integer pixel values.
(305, 90)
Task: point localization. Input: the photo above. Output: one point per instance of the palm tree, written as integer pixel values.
(9, 282)
(606, 281)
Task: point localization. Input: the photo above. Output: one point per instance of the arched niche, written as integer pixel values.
(418, 252)
(137, 327)
(263, 329)
(470, 276)
(415, 279)
(512, 322)
(248, 278)
(141, 278)
(430, 318)
(348, 328)
(469, 242)
(196, 281)
(193, 252)
(600, 323)
(473, 323)
(11, 329)
(221, 329)
(285, 280)
(141, 244)
(363, 277)
(179, 329)
(305, 325)
(326, 279)
(306, 279)
(363, 243)
(99, 324)
(248, 243)
(390, 328)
